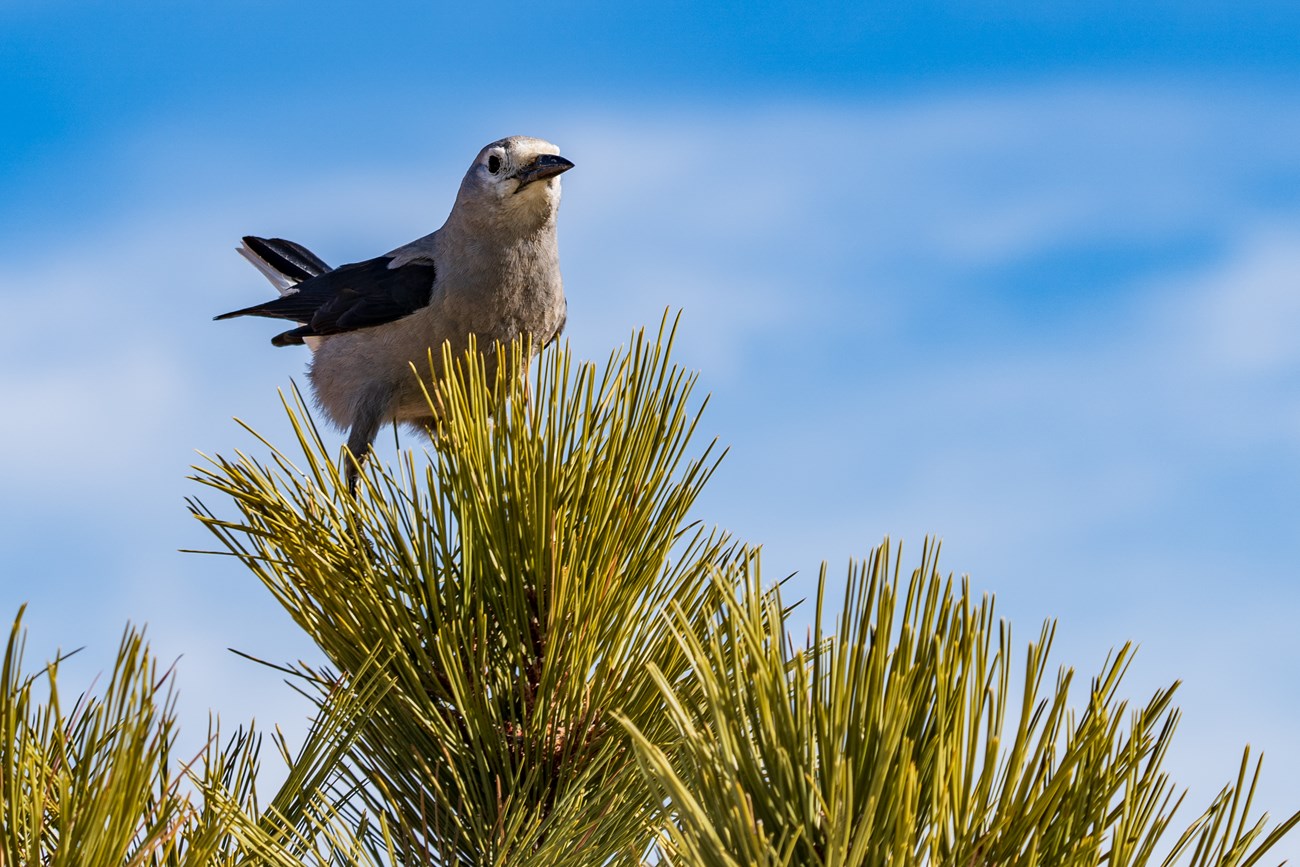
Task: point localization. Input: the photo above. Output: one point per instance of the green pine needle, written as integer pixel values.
(537, 658)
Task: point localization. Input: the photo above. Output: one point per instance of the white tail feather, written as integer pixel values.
(282, 283)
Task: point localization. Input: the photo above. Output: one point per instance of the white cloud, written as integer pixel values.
(1245, 315)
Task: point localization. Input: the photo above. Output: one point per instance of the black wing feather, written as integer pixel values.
(360, 295)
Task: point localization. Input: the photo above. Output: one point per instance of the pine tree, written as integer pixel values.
(536, 657)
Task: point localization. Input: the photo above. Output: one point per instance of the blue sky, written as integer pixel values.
(1022, 276)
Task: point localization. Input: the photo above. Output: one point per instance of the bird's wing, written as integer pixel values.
(350, 297)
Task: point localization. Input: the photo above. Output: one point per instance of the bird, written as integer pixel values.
(491, 272)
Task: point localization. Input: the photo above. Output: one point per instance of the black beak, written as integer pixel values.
(545, 166)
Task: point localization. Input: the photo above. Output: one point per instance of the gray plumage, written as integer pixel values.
(492, 271)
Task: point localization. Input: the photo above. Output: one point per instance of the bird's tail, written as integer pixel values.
(284, 263)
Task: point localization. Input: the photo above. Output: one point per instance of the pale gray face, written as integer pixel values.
(518, 175)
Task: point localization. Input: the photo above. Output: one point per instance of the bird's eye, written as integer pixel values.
(494, 164)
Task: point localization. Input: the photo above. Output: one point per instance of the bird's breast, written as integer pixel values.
(503, 291)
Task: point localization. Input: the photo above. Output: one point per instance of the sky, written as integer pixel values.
(1020, 276)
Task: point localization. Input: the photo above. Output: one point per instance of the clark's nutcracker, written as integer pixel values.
(492, 271)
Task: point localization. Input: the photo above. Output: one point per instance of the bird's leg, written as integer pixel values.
(360, 450)
(368, 415)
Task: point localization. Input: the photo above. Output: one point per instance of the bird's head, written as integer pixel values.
(515, 180)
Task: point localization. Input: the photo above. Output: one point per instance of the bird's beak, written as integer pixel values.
(545, 166)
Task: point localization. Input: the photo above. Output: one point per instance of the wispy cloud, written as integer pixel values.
(1056, 325)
